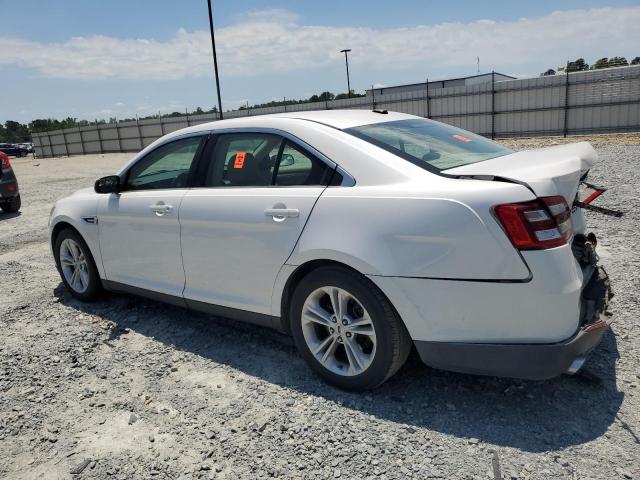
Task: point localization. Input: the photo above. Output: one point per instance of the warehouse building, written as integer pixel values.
(451, 82)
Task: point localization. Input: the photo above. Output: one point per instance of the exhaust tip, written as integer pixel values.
(576, 365)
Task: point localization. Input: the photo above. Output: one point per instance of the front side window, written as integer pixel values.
(165, 167)
(428, 144)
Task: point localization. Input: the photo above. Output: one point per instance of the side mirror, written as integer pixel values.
(287, 160)
(110, 184)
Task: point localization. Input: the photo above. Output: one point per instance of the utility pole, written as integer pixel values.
(346, 61)
(215, 58)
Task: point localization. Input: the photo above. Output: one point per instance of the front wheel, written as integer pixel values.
(346, 329)
(76, 266)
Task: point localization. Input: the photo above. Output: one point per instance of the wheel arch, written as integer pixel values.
(300, 272)
(60, 226)
(64, 224)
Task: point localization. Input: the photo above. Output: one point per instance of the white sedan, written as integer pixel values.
(359, 233)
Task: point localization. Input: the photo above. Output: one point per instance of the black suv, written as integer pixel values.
(14, 150)
(9, 193)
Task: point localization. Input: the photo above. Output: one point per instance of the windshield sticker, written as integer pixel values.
(239, 161)
(461, 138)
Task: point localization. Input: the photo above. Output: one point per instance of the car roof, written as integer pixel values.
(340, 119)
(345, 118)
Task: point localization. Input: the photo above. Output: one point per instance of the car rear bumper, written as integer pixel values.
(535, 361)
(8, 188)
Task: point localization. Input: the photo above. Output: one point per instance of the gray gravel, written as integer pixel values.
(130, 388)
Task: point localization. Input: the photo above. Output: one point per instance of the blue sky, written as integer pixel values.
(99, 59)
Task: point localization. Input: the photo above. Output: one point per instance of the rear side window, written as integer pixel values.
(428, 144)
(243, 160)
(297, 167)
(262, 160)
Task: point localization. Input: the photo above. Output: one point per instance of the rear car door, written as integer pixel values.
(139, 226)
(243, 221)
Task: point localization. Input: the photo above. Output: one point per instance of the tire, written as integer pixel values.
(12, 205)
(356, 361)
(87, 286)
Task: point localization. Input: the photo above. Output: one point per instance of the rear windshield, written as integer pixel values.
(428, 144)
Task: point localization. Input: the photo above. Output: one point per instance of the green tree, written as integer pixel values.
(618, 62)
(551, 71)
(577, 66)
(601, 63)
(635, 61)
(324, 96)
(14, 132)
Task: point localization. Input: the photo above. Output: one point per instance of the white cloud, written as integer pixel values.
(277, 15)
(274, 41)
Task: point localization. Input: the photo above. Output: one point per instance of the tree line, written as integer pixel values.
(580, 65)
(323, 97)
(15, 132)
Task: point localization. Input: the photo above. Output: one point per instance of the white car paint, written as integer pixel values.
(429, 242)
(549, 171)
(232, 251)
(139, 247)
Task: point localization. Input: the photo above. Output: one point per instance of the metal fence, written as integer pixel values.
(599, 101)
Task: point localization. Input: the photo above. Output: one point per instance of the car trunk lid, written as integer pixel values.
(546, 171)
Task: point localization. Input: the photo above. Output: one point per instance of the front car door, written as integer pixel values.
(139, 227)
(242, 223)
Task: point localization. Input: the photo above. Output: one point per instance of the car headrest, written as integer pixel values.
(243, 170)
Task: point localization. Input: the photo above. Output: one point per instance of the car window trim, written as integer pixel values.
(276, 167)
(347, 179)
(124, 177)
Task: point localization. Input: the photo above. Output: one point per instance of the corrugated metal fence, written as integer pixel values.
(598, 101)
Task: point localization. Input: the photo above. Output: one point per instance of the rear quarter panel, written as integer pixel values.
(409, 230)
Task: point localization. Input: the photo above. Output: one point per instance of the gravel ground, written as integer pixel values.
(130, 388)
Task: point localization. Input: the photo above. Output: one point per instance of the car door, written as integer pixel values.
(240, 226)
(139, 227)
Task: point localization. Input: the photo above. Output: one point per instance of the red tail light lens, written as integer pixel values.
(536, 225)
(5, 161)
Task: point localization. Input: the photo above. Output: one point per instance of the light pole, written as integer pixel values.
(215, 59)
(346, 62)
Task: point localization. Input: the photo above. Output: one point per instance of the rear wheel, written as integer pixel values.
(346, 329)
(76, 266)
(12, 205)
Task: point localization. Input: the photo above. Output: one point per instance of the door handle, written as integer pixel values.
(161, 208)
(280, 214)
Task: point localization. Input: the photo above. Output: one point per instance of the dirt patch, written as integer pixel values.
(128, 388)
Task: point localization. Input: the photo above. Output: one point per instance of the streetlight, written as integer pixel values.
(346, 62)
(215, 59)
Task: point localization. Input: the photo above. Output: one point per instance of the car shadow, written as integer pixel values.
(528, 415)
(7, 216)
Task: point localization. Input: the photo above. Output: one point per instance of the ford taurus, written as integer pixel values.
(362, 234)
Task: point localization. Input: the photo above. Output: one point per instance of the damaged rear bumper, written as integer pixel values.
(530, 361)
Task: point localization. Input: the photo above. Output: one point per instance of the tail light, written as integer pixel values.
(4, 160)
(542, 223)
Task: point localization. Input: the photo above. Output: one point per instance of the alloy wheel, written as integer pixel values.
(338, 331)
(75, 267)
